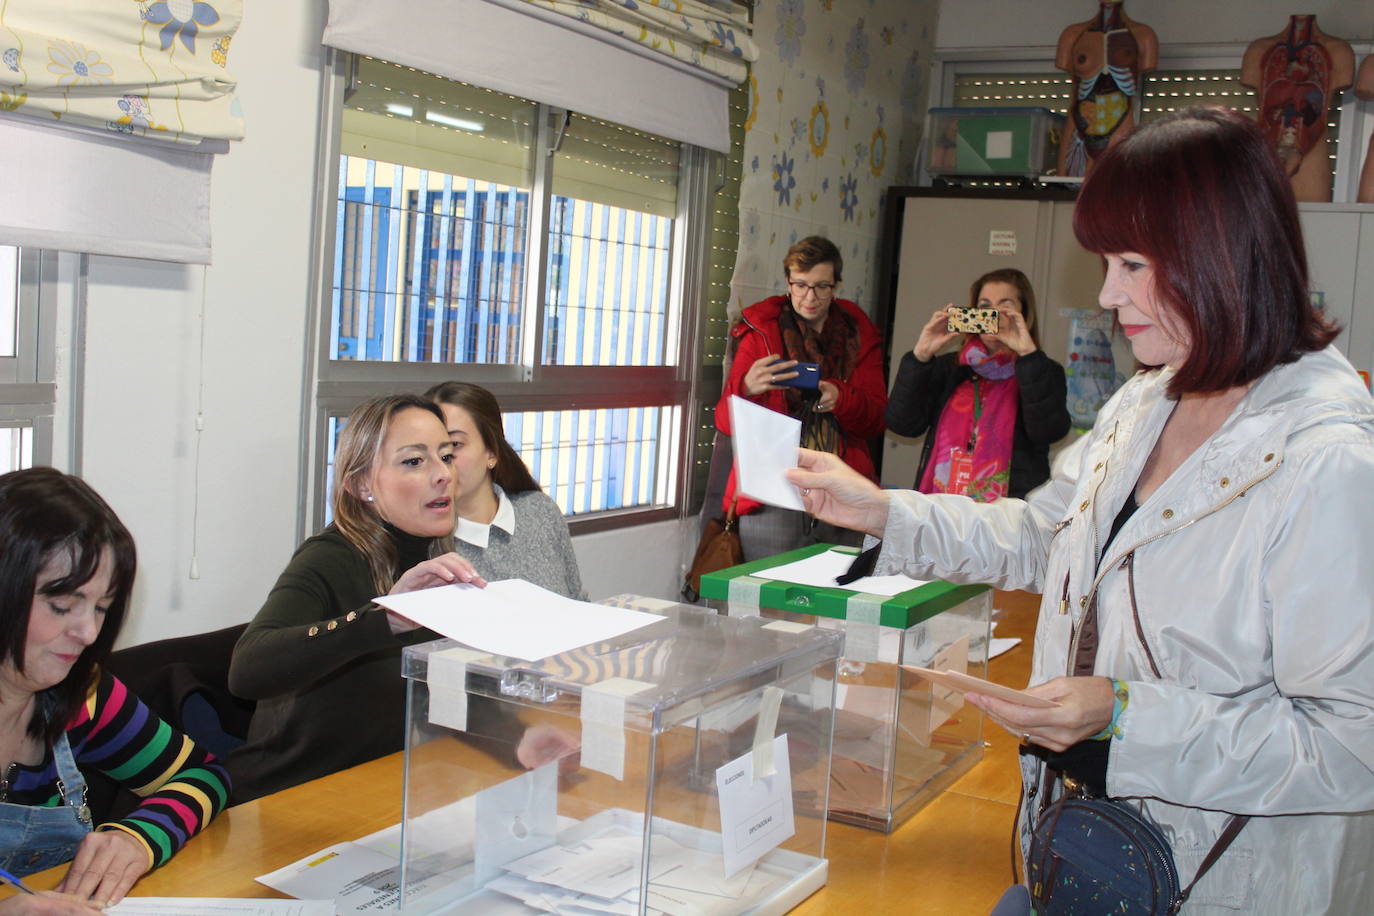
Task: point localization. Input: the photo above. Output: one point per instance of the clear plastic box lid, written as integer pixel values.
(694, 659)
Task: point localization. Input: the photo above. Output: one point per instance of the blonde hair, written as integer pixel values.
(355, 459)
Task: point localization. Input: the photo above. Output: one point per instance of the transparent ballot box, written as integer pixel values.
(899, 740)
(680, 768)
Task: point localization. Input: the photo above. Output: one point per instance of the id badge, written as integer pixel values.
(960, 472)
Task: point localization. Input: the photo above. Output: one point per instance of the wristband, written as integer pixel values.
(1121, 698)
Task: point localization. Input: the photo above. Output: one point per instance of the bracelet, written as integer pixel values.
(1121, 698)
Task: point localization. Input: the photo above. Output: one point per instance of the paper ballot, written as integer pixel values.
(822, 569)
(766, 444)
(514, 618)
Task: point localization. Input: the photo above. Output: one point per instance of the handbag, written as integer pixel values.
(1102, 856)
(719, 548)
(1090, 854)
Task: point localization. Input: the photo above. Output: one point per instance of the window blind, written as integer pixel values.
(543, 56)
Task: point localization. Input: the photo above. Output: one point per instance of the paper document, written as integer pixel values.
(967, 683)
(219, 906)
(765, 444)
(755, 814)
(821, 571)
(514, 618)
(1002, 645)
(601, 873)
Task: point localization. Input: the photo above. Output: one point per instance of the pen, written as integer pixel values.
(11, 879)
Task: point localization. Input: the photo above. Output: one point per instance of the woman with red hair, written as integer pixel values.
(1206, 628)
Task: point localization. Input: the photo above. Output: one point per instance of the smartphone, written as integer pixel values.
(972, 321)
(808, 376)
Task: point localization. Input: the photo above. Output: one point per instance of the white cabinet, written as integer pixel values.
(1340, 259)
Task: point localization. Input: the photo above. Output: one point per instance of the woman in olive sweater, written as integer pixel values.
(321, 660)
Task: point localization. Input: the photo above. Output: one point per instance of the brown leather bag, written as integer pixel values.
(719, 548)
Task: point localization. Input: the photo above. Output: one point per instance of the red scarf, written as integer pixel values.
(973, 439)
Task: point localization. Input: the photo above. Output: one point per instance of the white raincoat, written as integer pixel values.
(1237, 602)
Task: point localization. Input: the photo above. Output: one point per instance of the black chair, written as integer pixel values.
(185, 681)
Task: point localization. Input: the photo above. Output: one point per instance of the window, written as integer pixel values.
(26, 357)
(1175, 84)
(552, 257)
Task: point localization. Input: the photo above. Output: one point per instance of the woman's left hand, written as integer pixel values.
(830, 393)
(1085, 708)
(107, 864)
(1012, 331)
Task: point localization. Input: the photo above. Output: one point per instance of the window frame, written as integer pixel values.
(28, 385)
(334, 387)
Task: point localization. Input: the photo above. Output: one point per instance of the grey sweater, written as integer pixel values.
(539, 550)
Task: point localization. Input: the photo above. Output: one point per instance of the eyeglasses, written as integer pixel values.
(822, 290)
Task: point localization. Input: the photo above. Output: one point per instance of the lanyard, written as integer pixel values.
(977, 415)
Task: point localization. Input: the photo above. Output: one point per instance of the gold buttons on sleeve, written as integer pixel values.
(1098, 467)
(332, 625)
(1083, 602)
(1269, 457)
(1083, 506)
(1225, 481)
(313, 631)
(351, 616)
(1168, 513)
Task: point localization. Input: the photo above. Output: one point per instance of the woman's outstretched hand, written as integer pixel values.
(834, 492)
(445, 569)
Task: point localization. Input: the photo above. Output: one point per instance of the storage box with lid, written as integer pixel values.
(899, 741)
(992, 141)
(639, 820)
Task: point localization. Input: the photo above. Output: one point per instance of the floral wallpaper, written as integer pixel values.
(837, 103)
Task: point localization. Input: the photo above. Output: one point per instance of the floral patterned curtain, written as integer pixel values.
(153, 69)
(713, 36)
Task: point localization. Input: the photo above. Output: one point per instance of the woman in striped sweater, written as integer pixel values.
(66, 571)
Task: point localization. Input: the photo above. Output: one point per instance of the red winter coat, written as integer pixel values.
(862, 398)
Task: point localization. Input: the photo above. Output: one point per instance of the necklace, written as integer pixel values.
(7, 779)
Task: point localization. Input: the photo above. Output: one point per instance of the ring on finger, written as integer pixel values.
(806, 491)
(1025, 738)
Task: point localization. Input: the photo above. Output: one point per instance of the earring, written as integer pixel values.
(372, 499)
(491, 464)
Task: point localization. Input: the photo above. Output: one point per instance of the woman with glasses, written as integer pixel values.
(989, 410)
(839, 415)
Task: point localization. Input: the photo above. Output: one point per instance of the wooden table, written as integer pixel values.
(952, 857)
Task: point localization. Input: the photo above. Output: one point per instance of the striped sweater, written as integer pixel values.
(182, 786)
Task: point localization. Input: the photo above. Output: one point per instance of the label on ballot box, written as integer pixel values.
(755, 814)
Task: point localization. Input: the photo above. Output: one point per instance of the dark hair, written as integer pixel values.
(1023, 291)
(1201, 194)
(355, 458)
(510, 472)
(810, 251)
(46, 515)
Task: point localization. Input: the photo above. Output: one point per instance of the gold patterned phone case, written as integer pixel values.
(973, 321)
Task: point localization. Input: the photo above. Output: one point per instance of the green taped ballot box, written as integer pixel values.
(899, 740)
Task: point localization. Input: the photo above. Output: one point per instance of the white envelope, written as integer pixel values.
(765, 444)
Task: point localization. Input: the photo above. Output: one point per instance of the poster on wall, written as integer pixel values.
(1091, 368)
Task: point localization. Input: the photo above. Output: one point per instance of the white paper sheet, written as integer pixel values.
(755, 814)
(219, 906)
(1000, 646)
(514, 618)
(765, 444)
(821, 570)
